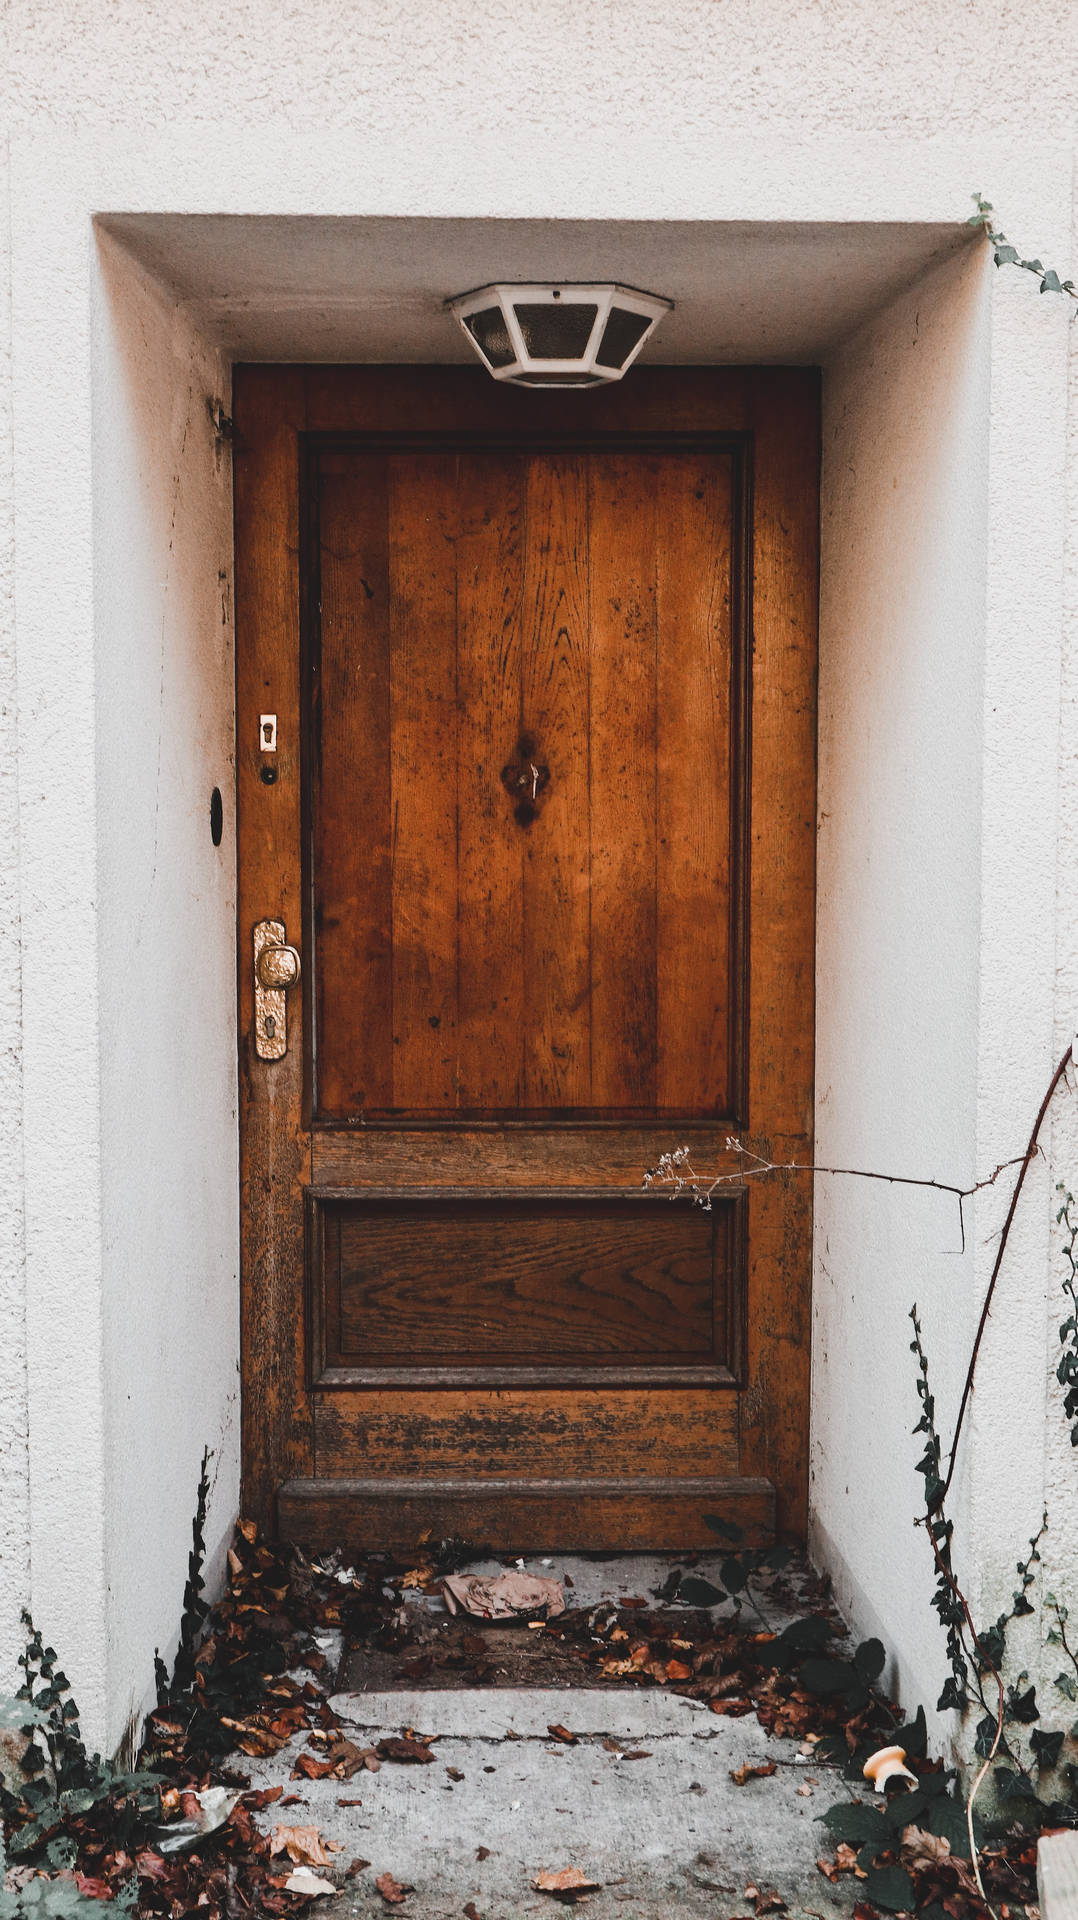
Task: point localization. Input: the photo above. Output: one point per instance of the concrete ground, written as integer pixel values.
(669, 1833)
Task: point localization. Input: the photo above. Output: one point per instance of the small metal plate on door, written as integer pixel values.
(271, 1017)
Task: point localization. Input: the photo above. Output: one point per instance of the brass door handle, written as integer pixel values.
(276, 968)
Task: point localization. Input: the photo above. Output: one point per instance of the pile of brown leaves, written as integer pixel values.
(245, 1698)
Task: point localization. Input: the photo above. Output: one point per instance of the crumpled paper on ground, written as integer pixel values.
(502, 1596)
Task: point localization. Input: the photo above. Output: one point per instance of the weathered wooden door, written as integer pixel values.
(526, 772)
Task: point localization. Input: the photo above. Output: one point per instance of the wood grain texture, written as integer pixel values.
(422, 779)
(525, 1155)
(556, 734)
(523, 1516)
(351, 748)
(625, 851)
(274, 1147)
(491, 905)
(527, 1432)
(540, 1281)
(758, 563)
(521, 788)
(782, 884)
(694, 505)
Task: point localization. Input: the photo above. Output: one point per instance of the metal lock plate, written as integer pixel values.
(271, 1015)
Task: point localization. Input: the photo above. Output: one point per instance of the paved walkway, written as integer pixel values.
(669, 1834)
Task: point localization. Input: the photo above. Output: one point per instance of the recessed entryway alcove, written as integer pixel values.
(895, 315)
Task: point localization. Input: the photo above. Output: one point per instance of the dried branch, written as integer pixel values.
(676, 1171)
(701, 1188)
(1029, 1155)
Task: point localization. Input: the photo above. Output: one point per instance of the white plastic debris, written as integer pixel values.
(216, 1804)
(888, 1763)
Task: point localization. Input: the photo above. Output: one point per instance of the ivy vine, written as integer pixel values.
(1007, 255)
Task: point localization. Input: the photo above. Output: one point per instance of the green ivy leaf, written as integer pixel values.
(1046, 1747)
(1051, 283)
(734, 1574)
(1023, 1707)
(1067, 1686)
(857, 1825)
(890, 1887)
(953, 1696)
(947, 1818)
(799, 1638)
(827, 1676)
(1005, 256)
(694, 1592)
(870, 1659)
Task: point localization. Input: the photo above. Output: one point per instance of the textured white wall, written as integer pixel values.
(166, 905)
(941, 617)
(903, 549)
(14, 1483)
(507, 71)
(933, 673)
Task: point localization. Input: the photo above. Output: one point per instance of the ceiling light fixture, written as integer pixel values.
(573, 335)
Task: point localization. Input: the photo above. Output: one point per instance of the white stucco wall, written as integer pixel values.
(166, 903)
(944, 490)
(903, 546)
(14, 1470)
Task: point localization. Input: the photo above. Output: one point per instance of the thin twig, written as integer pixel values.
(702, 1188)
(1030, 1154)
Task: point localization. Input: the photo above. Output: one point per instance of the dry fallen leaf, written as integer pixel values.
(922, 1849)
(561, 1733)
(302, 1880)
(482, 1853)
(568, 1883)
(741, 1775)
(404, 1749)
(394, 1892)
(417, 1577)
(265, 1797)
(845, 1861)
(303, 1845)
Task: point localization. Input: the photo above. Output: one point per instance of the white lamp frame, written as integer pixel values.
(584, 369)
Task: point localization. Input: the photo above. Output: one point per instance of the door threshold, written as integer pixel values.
(658, 1515)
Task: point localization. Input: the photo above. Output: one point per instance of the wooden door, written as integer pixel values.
(539, 814)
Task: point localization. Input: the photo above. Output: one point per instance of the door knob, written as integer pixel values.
(276, 968)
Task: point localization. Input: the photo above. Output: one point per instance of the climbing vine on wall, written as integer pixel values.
(1007, 255)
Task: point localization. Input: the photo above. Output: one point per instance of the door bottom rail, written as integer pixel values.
(515, 1515)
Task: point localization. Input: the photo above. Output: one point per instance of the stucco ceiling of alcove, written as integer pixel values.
(270, 287)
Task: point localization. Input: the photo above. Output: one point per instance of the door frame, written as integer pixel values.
(774, 413)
